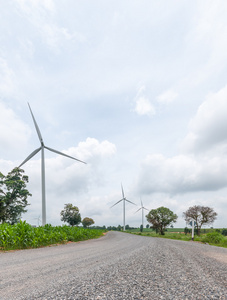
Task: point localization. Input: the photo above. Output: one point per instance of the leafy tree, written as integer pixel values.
(147, 226)
(70, 214)
(119, 228)
(141, 228)
(160, 218)
(127, 227)
(187, 230)
(13, 196)
(202, 215)
(87, 222)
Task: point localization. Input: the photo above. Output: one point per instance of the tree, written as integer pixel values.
(87, 222)
(70, 214)
(141, 228)
(202, 215)
(160, 218)
(13, 196)
(119, 228)
(127, 227)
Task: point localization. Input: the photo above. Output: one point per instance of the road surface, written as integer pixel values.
(116, 266)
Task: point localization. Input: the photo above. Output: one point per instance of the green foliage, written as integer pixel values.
(160, 218)
(13, 196)
(141, 228)
(213, 238)
(119, 228)
(224, 231)
(87, 222)
(70, 214)
(187, 230)
(23, 235)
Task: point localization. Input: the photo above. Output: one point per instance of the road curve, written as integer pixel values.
(116, 266)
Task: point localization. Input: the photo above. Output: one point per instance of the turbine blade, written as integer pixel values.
(30, 156)
(123, 195)
(116, 203)
(36, 126)
(130, 201)
(145, 208)
(138, 209)
(58, 152)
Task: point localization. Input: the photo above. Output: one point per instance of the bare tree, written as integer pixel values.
(202, 215)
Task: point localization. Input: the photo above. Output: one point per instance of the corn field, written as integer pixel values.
(23, 236)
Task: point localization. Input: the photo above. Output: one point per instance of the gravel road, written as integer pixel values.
(117, 266)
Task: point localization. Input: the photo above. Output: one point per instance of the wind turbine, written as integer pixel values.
(43, 165)
(38, 219)
(142, 207)
(123, 199)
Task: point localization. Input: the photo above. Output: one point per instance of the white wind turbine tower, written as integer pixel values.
(123, 199)
(142, 207)
(43, 165)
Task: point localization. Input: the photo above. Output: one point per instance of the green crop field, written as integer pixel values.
(23, 236)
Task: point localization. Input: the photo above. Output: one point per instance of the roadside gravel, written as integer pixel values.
(117, 266)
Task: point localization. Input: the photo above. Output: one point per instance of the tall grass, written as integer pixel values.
(23, 236)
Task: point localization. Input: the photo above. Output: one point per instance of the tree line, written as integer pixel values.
(13, 202)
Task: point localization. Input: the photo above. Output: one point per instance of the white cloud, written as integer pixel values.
(68, 181)
(143, 105)
(207, 130)
(14, 133)
(41, 14)
(167, 97)
(6, 78)
(30, 6)
(181, 174)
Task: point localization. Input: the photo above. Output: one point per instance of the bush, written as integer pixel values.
(213, 238)
(224, 231)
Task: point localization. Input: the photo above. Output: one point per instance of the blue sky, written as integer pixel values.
(137, 89)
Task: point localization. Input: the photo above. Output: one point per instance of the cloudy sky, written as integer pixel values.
(135, 88)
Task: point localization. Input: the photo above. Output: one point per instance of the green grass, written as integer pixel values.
(212, 238)
(24, 236)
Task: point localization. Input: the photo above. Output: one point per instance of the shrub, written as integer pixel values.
(224, 231)
(213, 238)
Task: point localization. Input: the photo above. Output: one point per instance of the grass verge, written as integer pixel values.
(211, 238)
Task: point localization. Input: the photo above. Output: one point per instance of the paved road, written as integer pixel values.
(116, 266)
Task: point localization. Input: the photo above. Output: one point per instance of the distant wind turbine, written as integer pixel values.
(43, 165)
(38, 219)
(123, 199)
(142, 207)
